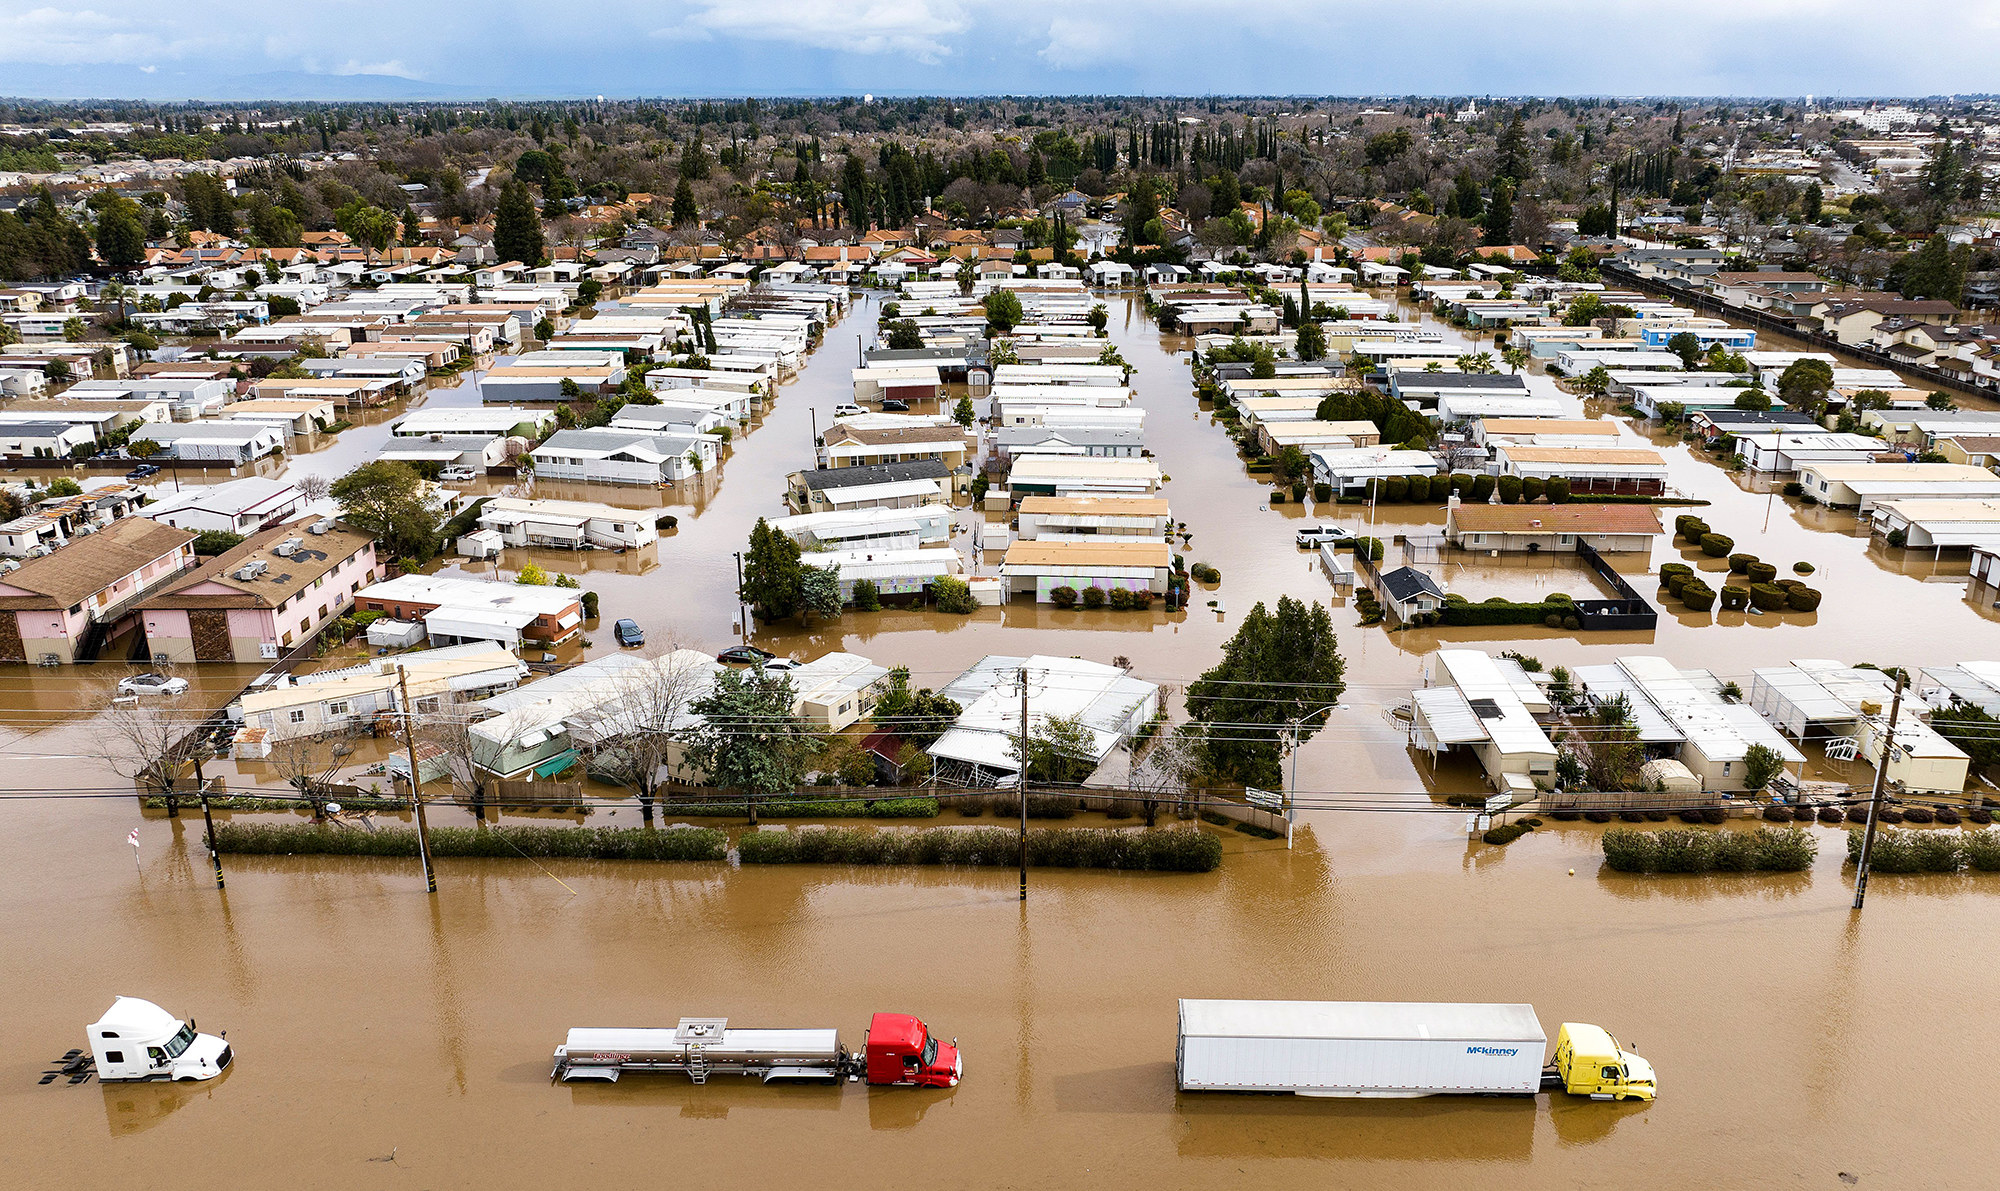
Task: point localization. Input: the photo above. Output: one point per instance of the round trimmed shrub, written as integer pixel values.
(1559, 597)
(1598, 816)
(1698, 596)
(1787, 584)
(1948, 816)
(1678, 583)
(1891, 814)
(1734, 598)
(1571, 623)
(1769, 597)
(1714, 815)
(1803, 568)
(1121, 599)
(1857, 814)
(1631, 817)
(1510, 490)
(1689, 528)
(1322, 493)
(1420, 486)
(1778, 814)
(1830, 814)
(1919, 814)
(1717, 545)
(1657, 816)
(1278, 496)
(1533, 488)
(1739, 564)
(1761, 572)
(1437, 487)
(1565, 816)
(1803, 599)
(1690, 816)
(1804, 814)
(1396, 490)
(1979, 815)
(1093, 597)
(1063, 597)
(1669, 570)
(1552, 621)
(1482, 489)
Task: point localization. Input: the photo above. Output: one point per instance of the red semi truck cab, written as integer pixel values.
(900, 1050)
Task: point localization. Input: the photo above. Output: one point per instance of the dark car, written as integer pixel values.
(744, 655)
(892, 406)
(628, 632)
(142, 472)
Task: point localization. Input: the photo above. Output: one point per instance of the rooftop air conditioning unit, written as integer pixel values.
(288, 547)
(320, 526)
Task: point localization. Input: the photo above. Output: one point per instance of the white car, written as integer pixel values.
(781, 665)
(1315, 535)
(152, 684)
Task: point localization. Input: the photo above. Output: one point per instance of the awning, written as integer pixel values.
(556, 764)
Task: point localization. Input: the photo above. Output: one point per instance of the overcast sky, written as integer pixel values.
(118, 48)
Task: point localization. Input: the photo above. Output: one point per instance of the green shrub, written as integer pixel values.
(1482, 489)
(1438, 488)
(1734, 598)
(1277, 496)
(1322, 492)
(1558, 490)
(1982, 850)
(1767, 849)
(953, 596)
(1678, 583)
(1760, 572)
(1732, 852)
(1510, 490)
(1063, 597)
(1769, 597)
(867, 596)
(1506, 834)
(1629, 851)
(1788, 850)
(1803, 568)
(537, 842)
(1204, 573)
(1093, 597)
(1698, 596)
(1121, 599)
(1803, 599)
(1717, 545)
(1686, 851)
(1669, 570)
(1396, 490)
(1739, 564)
(1532, 488)
(1461, 482)
(1162, 850)
(1691, 528)
(903, 808)
(1372, 545)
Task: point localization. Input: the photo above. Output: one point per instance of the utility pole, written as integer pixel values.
(1875, 803)
(1024, 783)
(416, 781)
(741, 615)
(208, 820)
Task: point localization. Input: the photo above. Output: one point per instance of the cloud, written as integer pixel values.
(919, 29)
(394, 67)
(1078, 42)
(85, 37)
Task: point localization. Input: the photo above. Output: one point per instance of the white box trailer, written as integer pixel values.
(1359, 1048)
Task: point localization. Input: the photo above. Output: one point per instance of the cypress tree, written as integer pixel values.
(517, 229)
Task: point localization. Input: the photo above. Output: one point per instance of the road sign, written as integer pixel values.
(1263, 799)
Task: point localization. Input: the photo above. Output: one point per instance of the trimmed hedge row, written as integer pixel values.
(540, 843)
(808, 808)
(1927, 851)
(1503, 611)
(1181, 850)
(1788, 849)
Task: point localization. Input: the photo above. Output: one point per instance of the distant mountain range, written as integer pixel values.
(58, 82)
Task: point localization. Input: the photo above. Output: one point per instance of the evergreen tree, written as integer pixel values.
(517, 229)
(686, 214)
(773, 577)
(1500, 214)
(121, 241)
(1281, 672)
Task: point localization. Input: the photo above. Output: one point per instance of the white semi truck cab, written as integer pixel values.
(137, 1040)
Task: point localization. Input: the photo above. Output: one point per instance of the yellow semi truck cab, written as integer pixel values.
(1590, 1063)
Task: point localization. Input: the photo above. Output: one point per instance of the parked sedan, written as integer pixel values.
(629, 633)
(1314, 535)
(892, 406)
(743, 655)
(152, 684)
(144, 471)
(781, 665)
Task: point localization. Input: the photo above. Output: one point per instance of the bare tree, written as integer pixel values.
(635, 737)
(308, 764)
(150, 740)
(313, 487)
(471, 758)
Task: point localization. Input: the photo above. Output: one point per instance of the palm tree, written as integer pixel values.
(1515, 357)
(116, 291)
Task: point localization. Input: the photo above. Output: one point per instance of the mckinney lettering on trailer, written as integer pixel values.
(1492, 1050)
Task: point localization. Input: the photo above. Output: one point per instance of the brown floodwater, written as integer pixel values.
(1794, 1040)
